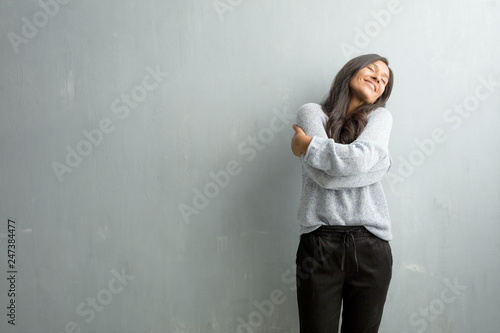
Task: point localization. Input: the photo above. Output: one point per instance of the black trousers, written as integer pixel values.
(342, 265)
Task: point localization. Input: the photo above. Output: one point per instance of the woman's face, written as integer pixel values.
(370, 81)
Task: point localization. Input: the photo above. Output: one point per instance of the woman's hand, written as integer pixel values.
(300, 141)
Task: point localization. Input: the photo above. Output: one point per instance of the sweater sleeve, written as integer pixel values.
(344, 182)
(364, 155)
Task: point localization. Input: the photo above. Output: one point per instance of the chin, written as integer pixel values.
(370, 101)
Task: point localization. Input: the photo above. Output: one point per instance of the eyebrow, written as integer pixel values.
(382, 73)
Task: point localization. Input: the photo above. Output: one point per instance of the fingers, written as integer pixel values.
(298, 132)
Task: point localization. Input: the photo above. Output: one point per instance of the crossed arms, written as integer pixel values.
(339, 166)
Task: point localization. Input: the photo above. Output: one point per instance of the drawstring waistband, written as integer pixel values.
(347, 232)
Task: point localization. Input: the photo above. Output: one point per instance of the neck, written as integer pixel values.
(354, 102)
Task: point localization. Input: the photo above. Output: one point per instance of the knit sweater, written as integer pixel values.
(341, 182)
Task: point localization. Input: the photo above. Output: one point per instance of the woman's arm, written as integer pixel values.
(312, 119)
(345, 182)
(361, 156)
(300, 141)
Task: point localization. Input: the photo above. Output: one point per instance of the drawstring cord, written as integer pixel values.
(346, 243)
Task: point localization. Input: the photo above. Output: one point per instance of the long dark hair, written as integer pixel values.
(342, 127)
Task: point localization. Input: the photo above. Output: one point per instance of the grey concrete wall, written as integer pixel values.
(147, 171)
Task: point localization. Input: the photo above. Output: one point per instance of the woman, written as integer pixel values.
(344, 256)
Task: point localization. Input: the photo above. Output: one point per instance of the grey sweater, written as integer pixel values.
(341, 182)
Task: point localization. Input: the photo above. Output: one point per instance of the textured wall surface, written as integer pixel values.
(146, 177)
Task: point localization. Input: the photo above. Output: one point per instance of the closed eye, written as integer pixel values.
(374, 72)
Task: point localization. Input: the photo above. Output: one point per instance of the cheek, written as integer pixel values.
(376, 97)
(381, 92)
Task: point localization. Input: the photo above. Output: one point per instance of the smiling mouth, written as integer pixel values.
(371, 84)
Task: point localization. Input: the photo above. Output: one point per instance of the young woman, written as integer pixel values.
(344, 257)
